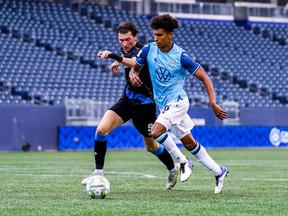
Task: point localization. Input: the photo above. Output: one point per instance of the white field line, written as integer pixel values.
(125, 174)
(260, 179)
(135, 174)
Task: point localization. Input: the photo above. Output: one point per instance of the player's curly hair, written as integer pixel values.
(125, 27)
(165, 21)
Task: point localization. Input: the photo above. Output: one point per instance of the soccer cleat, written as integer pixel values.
(220, 180)
(186, 170)
(172, 177)
(86, 180)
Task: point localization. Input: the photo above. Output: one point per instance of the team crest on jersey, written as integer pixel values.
(163, 74)
(172, 62)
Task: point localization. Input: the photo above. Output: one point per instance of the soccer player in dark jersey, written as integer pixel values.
(136, 103)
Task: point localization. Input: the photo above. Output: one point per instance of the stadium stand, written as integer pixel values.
(275, 32)
(247, 60)
(48, 54)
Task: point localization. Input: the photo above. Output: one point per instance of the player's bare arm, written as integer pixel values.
(114, 67)
(129, 62)
(205, 79)
(104, 54)
(134, 75)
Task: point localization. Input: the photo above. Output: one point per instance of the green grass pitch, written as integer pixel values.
(48, 183)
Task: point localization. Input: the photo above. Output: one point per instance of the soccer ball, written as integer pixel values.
(98, 187)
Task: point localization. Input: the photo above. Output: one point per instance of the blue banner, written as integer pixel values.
(126, 137)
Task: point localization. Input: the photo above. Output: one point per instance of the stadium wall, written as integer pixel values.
(36, 125)
(260, 127)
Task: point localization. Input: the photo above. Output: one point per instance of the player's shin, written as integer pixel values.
(204, 158)
(100, 148)
(171, 147)
(164, 157)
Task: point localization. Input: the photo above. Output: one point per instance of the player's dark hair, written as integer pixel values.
(165, 21)
(126, 27)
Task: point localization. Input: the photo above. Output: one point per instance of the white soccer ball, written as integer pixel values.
(98, 187)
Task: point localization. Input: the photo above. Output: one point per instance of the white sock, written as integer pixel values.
(98, 171)
(203, 157)
(171, 147)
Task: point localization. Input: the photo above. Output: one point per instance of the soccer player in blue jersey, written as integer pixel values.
(136, 103)
(168, 64)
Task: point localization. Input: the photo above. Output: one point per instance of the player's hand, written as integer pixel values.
(135, 79)
(114, 67)
(219, 112)
(104, 54)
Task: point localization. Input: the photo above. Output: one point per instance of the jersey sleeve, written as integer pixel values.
(141, 58)
(188, 63)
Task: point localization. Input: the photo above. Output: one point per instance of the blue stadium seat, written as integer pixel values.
(50, 49)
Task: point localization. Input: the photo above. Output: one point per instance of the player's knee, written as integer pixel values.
(157, 130)
(156, 133)
(102, 131)
(189, 142)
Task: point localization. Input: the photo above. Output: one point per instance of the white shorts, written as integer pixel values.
(174, 117)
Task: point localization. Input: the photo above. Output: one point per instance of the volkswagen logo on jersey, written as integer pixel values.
(163, 74)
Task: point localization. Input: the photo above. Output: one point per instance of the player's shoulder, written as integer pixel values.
(149, 46)
(144, 51)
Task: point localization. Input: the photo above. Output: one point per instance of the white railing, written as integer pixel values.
(194, 9)
(233, 109)
(84, 111)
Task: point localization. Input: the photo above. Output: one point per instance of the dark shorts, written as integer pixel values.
(142, 115)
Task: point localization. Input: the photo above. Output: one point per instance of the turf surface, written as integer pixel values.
(48, 183)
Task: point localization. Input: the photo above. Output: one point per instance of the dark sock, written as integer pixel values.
(166, 159)
(100, 148)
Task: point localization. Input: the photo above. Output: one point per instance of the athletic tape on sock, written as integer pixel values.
(162, 138)
(100, 137)
(159, 150)
(196, 150)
